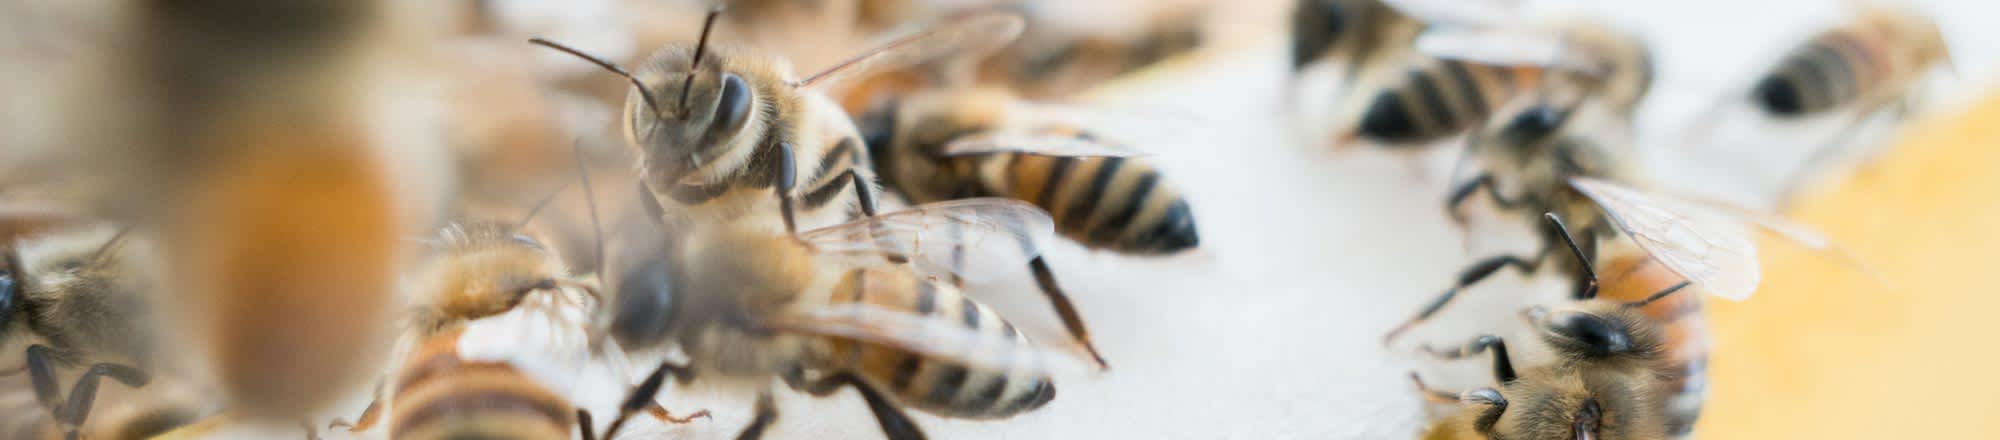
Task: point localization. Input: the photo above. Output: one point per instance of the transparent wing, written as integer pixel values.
(1508, 47)
(965, 35)
(1045, 144)
(1710, 248)
(1803, 235)
(1473, 13)
(970, 239)
(942, 339)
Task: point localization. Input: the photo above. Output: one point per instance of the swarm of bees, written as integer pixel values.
(751, 234)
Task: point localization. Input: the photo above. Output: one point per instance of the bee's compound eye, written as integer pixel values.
(1536, 122)
(733, 110)
(10, 287)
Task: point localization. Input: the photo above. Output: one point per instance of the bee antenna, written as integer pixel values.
(700, 48)
(590, 199)
(104, 252)
(541, 204)
(607, 65)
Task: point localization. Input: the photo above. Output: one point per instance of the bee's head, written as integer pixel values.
(1599, 335)
(1580, 404)
(702, 109)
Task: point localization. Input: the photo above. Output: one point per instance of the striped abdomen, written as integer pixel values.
(1831, 70)
(441, 396)
(1439, 98)
(1122, 204)
(1683, 366)
(936, 386)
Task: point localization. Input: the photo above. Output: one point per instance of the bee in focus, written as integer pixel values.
(716, 129)
(1397, 97)
(1871, 66)
(77, 300)
(1629, 363)
(858, 305)
(956, 143)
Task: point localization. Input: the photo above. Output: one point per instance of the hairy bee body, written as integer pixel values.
(1682, 364)
(735, 280)
(1646, 381)
(1878, 56)
(1124, 204)
(86, 310)
(440, 395)
(725, 171)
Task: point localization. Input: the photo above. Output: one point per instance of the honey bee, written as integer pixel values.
(1400, 98)
(741, 124)
(1059, 57)
(982, 142)
(1871, 66)
(77, 300)
(1566, 149)
(508, 375)
(1629, 363)
(856, 305)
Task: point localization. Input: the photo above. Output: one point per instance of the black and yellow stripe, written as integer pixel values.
(936, 386)
(1437, 99)
(440, 396)
(1834, 69)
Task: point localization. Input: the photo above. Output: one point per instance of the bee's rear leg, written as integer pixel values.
(1503, 366)
(84, 392)
(766, 413)
(641, 396)
(896, 424)
(1432, 395)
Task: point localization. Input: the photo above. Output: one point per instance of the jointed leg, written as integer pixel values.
(42, 374)
(766, 413)
(1464, 192)
(1471, 275)
(1503, 367)
(896, 424)
(1589, 273)
(84, 393)
(1045, 278)
(1432, 395)
(641, 397)
(584, 428)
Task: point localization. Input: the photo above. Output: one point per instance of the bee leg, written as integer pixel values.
(1495, 403)
(1045, 278)
(1587, 289)
(311, 432)
(786, 176)
(1503, 367)
(1434, 396)
(583, 425)
(896, 424)
(766, 413)
(863, 194)
(43, 375)
(1472, 275)
(641, 397)
(84, 392)
(1464, 191)
(368, 415)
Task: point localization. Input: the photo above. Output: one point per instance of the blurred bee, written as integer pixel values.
(1872, 65)
(853, 305)
(1566, 150)
(1059, 57)
(76, 300)
(1629, 364)
(740, 125)
(1399, 97)
(982, 142)
(1869, 63)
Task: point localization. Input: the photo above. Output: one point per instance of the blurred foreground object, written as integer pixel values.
(245, 135)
